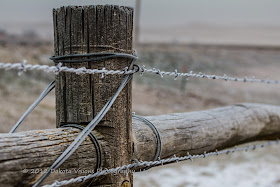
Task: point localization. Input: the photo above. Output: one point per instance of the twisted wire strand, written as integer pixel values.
(23, 67)
(175, 74)
(160, 162)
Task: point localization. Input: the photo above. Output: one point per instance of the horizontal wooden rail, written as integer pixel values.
(25, 155)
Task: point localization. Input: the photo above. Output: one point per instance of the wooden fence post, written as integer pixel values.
(93, 29)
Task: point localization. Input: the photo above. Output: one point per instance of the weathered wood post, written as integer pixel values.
(94, 29)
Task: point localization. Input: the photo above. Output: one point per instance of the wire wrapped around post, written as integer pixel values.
(94, 141)
(87, 130)
(157, 134)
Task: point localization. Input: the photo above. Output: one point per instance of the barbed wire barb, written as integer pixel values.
(191, 74)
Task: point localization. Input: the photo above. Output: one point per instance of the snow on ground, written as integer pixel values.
(260, 168)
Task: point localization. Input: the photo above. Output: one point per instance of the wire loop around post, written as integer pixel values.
(94, 57)
(87, 130)
(94, 141)
(157, 134)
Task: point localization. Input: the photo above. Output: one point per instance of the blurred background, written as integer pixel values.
(238, 38)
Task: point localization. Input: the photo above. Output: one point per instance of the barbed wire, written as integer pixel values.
(138, 164)
(175, 74)
(22, 67)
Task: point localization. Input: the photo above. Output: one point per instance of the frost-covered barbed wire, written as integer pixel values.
(175, 74)
(22, 67)
(138, 164)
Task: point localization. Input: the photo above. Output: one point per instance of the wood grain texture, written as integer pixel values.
(196, 132)
(96, 29)
(193, 132)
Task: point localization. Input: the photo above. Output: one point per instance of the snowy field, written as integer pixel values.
(259, 168)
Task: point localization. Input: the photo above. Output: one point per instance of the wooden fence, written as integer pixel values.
(91, 29)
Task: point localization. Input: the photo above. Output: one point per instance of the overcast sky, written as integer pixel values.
(157, 12)
(212, 21)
